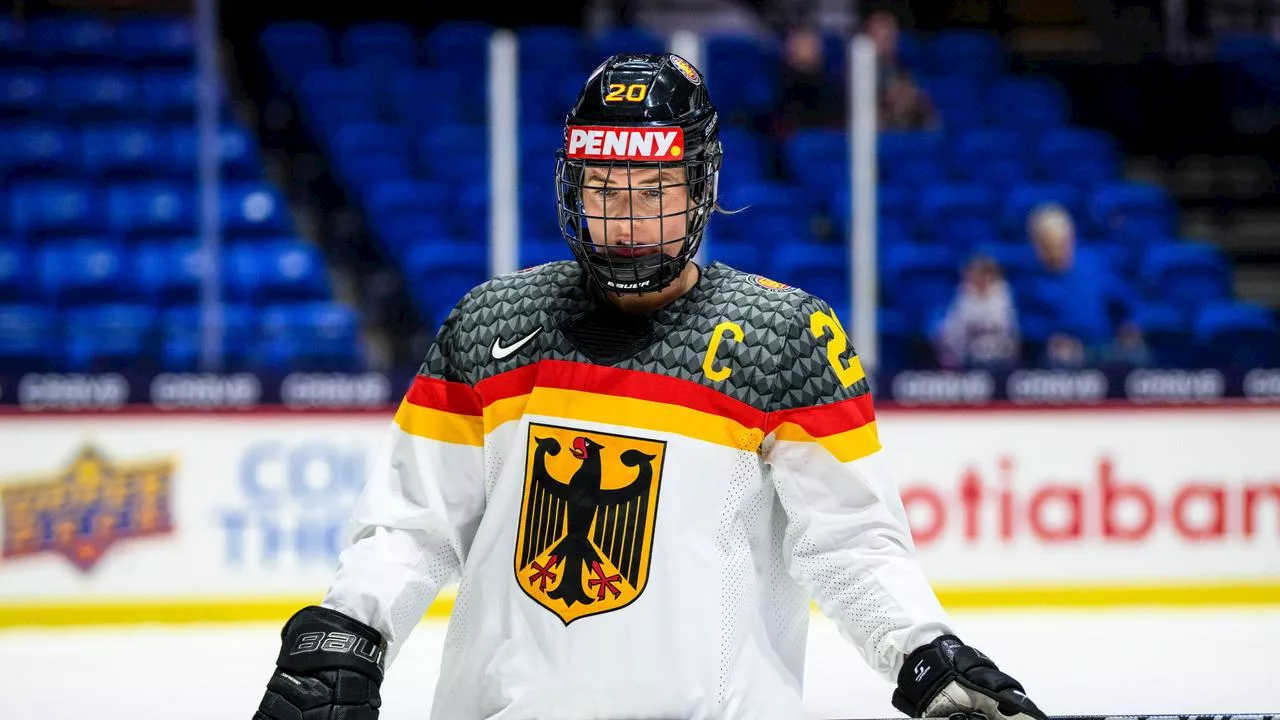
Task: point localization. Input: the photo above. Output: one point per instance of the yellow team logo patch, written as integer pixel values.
(586, 520)
(768, 284)
(686, 69)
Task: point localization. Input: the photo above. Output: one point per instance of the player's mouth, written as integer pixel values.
(631, 252)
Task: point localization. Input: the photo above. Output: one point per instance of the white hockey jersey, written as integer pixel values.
(637, 510)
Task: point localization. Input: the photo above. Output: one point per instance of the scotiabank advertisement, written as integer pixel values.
(242, 515)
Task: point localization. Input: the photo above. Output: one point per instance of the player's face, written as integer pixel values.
(636, 211)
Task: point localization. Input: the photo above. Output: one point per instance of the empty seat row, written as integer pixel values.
(127, 147)
(285, 337)
(162, 272)
(50, 208)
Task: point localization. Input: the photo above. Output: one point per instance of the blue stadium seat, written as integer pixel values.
(744, 255)
(398, 231)
(548, 57)
(453, 152)
(93, 93)
(113, 336)
(40, 208)
(944, 204)
(895, 146)
(182, 341)
(741, 74)
(461, 47)
(1003, 174)
(72, 37)
(1166, 334)
(28, 339)
(1237, 335)
(310, 337)
(156, 39)
(169, 95)
(16, 271)
(171, 271)
(975, 144)
(1112, 205)
(537, 213)
(768, 196)
(250, 208)
(295, 47)
(767, 226)
(745, 156)
(241, 155)
(1076, 155)
(330, 96)
(1026, 103)
(810, 155)
(1189, 274)
(276, 270)
(963, 233)
(968, 51)
(84, 271)
(539, 249)
(411, 95)
(395, 196)
(920, 279)
(370, 136)
(957, 98)
(36, 149)
(24, 91)
(359, 171)
(122, 149)
(440, 273)
(1016, 260)
(816, 268)
(151, 207)
(13, 38)
(391, 44)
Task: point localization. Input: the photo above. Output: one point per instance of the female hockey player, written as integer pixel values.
(638, 470)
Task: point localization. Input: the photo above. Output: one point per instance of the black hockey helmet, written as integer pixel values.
(637, 111)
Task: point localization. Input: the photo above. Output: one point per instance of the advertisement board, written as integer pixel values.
(146, 516)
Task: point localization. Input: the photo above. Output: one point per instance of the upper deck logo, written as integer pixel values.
(586, 520)
(83, 509)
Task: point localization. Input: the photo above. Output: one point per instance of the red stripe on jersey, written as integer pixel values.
(830, 419)
(445, 395)
(619, 382)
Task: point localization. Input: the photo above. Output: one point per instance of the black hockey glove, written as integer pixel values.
(329, 668)
(947, 677)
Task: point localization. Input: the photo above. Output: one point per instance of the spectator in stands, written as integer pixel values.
(809, 95)
(980, 328)
(1087, 301)
(904, 105)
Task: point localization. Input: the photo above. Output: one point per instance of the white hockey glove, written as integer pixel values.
(947, 677)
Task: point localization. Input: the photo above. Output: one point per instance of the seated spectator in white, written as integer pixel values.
(980, 328)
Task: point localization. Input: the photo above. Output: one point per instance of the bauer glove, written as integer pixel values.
(947, 677)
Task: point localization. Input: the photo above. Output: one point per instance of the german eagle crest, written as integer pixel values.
(586, 519)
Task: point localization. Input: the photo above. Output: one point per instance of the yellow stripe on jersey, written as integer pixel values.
(642, 414)
(439, 425)
(846, 446)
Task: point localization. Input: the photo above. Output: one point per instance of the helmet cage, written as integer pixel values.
(631, 267)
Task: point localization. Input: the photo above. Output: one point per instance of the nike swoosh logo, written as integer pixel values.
(499, 352)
